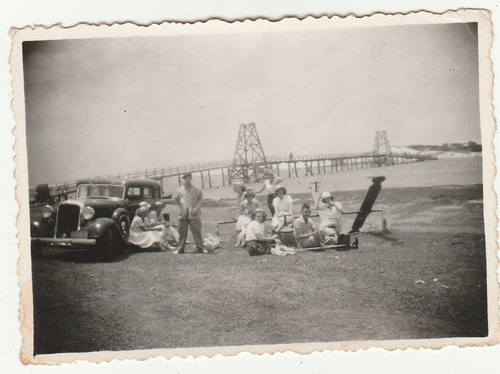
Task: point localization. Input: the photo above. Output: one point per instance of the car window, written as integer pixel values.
(134, 193)
(148, 193)
(99, 190)
(116, 191)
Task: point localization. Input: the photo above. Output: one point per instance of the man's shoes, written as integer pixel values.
(203, 251)
(176, 252)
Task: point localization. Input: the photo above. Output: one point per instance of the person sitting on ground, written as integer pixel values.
(270, 184)
(247, 208)
(141, 234)
(155, 218)
(258, 243)
(330, 212)
(240, 190)
(283, 207)
(306, 232)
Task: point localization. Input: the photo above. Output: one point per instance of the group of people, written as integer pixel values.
(149, 229)
(251, 231)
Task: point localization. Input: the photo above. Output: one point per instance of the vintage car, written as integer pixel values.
(98, 216)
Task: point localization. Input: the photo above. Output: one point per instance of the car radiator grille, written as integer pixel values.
(68, 218)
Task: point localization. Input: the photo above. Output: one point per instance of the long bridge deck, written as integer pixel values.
(310, 164)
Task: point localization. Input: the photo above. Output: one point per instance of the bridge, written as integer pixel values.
(290, 166)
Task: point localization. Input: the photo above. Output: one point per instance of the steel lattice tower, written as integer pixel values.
(382, 150)
(249, 159)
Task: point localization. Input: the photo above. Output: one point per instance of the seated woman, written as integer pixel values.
(247, 208)
(141, 234)
(155, 218)
(283, 214)
(330, 212)
(258, 243)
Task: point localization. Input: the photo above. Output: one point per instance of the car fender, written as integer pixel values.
(118, 212)
(99, 227)
(42, 227)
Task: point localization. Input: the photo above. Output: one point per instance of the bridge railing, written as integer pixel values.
(204, 166)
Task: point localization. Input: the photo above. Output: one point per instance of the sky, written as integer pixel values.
(101, 106)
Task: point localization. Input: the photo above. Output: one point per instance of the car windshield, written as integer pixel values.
(99, 190)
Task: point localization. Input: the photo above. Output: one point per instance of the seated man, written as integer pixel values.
(306, 233)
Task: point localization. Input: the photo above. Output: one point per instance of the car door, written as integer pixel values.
(133, 197)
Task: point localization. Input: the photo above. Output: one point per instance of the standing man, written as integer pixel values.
(189, 197)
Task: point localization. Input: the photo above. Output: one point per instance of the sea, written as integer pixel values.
(441, 172)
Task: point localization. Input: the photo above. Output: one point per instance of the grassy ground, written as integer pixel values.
(429, 282)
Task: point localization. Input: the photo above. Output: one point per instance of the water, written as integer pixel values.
(453, 171)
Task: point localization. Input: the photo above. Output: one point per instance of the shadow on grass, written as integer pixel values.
(86, 255)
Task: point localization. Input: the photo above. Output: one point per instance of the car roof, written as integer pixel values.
(137, 182)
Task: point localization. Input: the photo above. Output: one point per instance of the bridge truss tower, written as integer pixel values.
(249, 159)
(382, 150)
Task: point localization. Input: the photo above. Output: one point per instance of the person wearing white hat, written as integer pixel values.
(141, 234)
(330, 212)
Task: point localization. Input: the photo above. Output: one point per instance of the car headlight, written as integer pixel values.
(47, 211)
(87, 213)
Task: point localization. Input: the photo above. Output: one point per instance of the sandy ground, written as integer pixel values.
(427, 281)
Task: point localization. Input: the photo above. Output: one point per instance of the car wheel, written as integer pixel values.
(109, 245)
(124, 225)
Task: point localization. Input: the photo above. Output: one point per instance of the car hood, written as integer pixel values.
(96, 202)
(100, 202)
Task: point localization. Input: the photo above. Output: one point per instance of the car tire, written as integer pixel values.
(124, 225)
(108, 247)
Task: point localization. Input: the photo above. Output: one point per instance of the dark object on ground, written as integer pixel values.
(367, 204)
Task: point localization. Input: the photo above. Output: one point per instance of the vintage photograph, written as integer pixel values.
(298, 185)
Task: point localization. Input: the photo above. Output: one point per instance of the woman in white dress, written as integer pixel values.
(247, 208)
(141, 234)
(258, 243)
(283, 207)
(155, 218)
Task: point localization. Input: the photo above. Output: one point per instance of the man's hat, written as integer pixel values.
(187, 175)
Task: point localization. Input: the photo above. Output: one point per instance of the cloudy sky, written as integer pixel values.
(99, 106)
